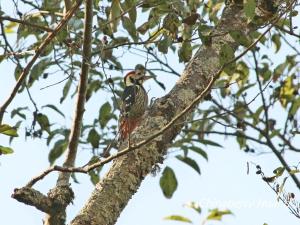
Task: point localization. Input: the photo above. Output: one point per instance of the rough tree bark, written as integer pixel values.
(127, 172)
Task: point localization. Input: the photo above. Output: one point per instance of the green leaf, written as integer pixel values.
(18, 71)
(279, 171)
(171, 23)
(199, 151)
(249, 8)
(142, 29)
(93, 138)
(43, 121)
(5, 150)
(16, 126)
(58, 149)
(93, 86)
(168, 182)
(256, 115)
(287, 91)
(241, 139)
(117, 41)
(8, 130)
(226, 54)
(104, 114)
(280, 189)
(194, 206)
(94, 176)
(10, 27)
(17, 111)
(164, 44)
(61, 131)
(295, 106)
(131, 6)
(192, 163)
(240, 38)
(217, 214)
(66, 90)
(130, 27)
(243, 89)
(178, 218)
(54, 108)
(2, 57)
(63, 34)
(208, 142)
(276, 40)
(37, 70)
(114, 15)
(185, 52)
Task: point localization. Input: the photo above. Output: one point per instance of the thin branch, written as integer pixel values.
(163, 63)
(39, 51)
(235, 134)
(287, 31)
(26, 23)
(265, 107)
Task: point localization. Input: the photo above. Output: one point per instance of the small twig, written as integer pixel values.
(235, 134)
(31, 99)
(58, 82)
(265, 107)
(111, 87)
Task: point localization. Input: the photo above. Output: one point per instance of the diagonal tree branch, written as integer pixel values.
(39, 51)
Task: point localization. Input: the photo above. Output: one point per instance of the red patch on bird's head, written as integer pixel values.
(128, 74)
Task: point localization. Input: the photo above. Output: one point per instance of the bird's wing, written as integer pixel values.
(128, 98)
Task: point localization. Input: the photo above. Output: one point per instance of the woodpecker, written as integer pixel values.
(134, 101)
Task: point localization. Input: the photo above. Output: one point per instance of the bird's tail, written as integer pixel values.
(127, 126)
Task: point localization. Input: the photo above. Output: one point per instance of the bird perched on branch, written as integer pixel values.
(134, 101)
